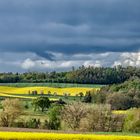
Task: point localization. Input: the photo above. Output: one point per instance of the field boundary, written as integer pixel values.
(12, 129)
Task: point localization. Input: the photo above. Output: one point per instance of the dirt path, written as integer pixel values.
(10, 129)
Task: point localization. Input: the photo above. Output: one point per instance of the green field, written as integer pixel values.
(56, 85)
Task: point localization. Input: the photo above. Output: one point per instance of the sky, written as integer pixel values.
(48, 35)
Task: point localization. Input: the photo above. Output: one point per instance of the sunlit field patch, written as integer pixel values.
(60, 91)
(21, 97)
(16, 96)
(123, 112)
(56, 136)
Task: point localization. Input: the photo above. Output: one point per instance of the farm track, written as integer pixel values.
(11, 129)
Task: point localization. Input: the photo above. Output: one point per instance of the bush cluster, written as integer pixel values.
(120, 97)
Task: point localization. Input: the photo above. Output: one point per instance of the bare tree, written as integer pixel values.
(100, 118)
(73, 113)
(12, 109)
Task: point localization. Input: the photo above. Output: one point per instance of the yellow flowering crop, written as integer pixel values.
(123, 112)
(16, 96)
(56, 136)
(60, 91)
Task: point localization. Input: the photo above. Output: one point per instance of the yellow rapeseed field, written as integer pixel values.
(22, 97)
(60, 91)
(123, 112)
(16, 96)
(56, 136)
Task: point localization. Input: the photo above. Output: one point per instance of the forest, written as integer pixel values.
(82, 75)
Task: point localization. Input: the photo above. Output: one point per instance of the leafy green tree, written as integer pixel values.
(87, 98)
(54, 118)
(81, 94)
(41, 103)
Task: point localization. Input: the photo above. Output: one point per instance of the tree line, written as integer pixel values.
(82, 75)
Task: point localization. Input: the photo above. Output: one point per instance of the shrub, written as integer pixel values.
(33, 123)
(119, 101)
(54, 120)
(100, 118)
(87, 98)
(98, 97)
(19, 124)
(1, 106)
(132, 121)
(117, 122)
(26, 106)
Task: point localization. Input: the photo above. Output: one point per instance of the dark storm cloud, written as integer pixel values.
(69, 26)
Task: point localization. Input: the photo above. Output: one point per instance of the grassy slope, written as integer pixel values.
(131, 84)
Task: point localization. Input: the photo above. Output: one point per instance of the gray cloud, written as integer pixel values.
(69, 27)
